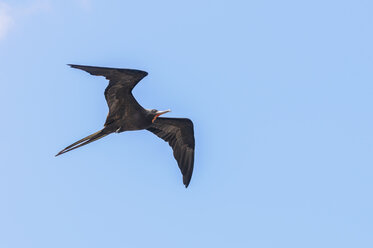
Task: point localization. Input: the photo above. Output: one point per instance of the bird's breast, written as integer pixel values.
(135, 121)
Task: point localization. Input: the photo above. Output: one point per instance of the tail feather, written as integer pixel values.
(93, 137)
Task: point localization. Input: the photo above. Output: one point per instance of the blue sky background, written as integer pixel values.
(280, 93)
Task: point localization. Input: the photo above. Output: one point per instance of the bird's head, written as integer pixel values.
(154, 114)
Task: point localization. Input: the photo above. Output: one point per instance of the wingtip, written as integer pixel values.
(186, 184)
(77, 66)
(186, 180)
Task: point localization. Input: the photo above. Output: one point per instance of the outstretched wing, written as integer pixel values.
(118, 93)
(179, 134)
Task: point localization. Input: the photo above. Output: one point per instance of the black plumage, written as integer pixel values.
(126, 114)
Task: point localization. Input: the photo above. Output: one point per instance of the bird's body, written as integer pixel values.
(138, 120)
(126, 114)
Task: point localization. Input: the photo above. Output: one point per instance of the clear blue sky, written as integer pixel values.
(280, 93)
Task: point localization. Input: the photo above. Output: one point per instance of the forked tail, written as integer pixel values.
(93, 137)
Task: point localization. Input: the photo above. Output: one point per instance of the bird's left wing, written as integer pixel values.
(127, 77)
(179, 133)
(118, 93)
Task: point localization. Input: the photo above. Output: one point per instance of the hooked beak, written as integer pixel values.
(159, 113)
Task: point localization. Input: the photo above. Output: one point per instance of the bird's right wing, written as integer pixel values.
(118, 93)
(179, 134)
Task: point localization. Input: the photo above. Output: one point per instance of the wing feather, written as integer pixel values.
(179, 133)
(118, 93)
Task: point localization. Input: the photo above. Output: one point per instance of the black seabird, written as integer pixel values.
(126, 114)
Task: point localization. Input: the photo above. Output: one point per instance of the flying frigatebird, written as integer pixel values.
(126, 114)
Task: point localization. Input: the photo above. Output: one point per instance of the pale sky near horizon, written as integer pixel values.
(280, 93)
